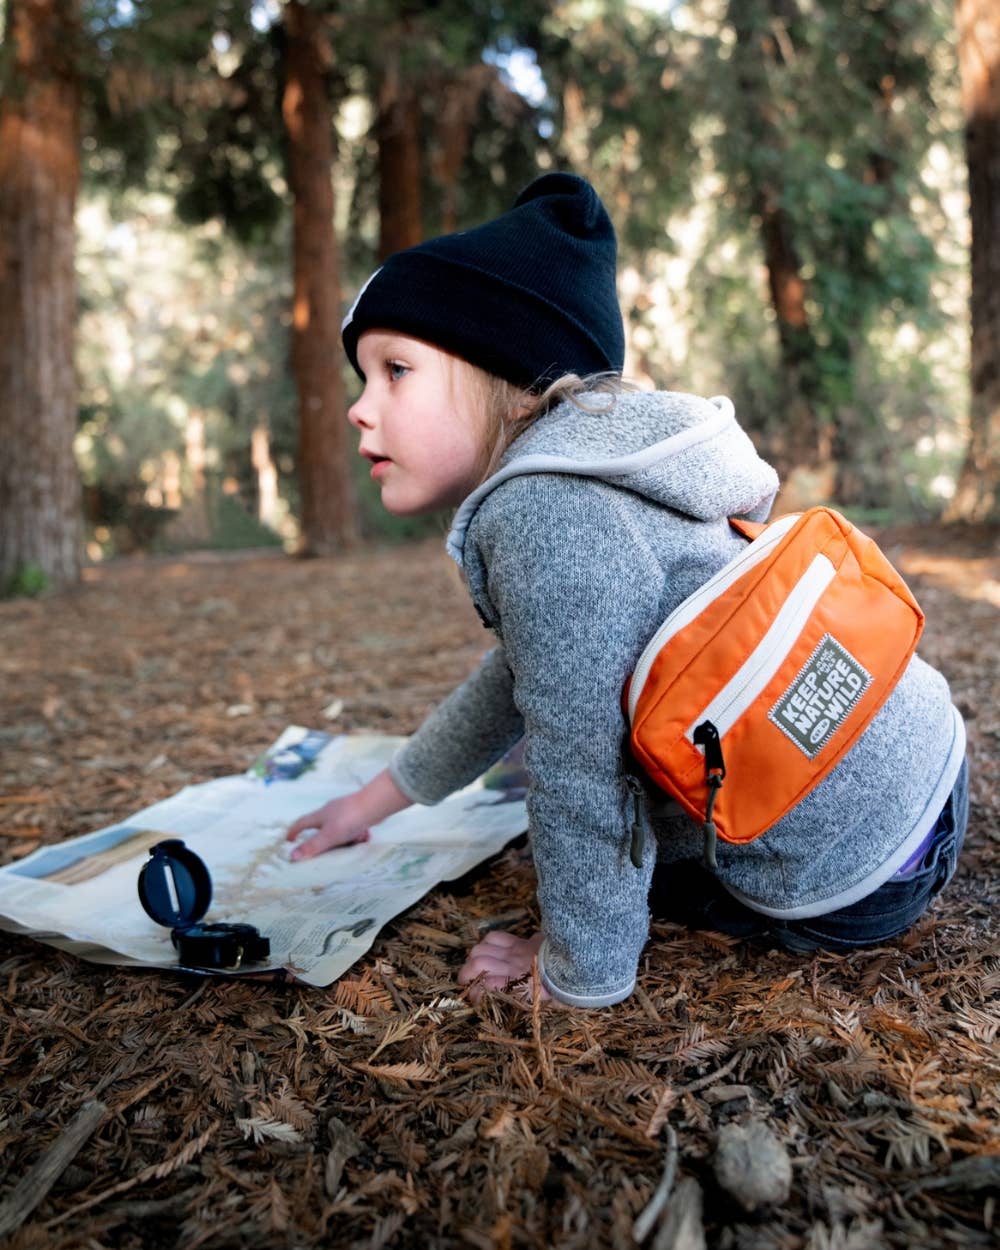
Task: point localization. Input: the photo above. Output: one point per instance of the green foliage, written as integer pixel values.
(176, 327)
(231, 528)
(831, 113)
(661, 105)
(28, 581)
(626, 65)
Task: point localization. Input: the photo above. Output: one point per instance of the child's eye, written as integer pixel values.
(396, 370)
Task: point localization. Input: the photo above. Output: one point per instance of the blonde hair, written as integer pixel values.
(508, 410)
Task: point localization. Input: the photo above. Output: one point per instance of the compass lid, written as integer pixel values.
(175, 888)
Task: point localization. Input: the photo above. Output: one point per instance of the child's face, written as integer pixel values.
(420, 424)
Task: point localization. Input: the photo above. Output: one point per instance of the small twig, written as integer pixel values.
(644, 1223)
(544, 1061)
(390, 985)
(496, 1039)
(602, 1117)
(149, 1208)
(646, 1003)
(108, 1002)
(37, 1182)
(134, 1095)
(712, 1077)
(193, 997)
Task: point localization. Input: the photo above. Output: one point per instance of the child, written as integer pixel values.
(486, 357)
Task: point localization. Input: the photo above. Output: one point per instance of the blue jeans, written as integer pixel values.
(687, 893)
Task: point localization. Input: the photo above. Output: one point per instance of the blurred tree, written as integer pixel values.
(450, 137)
(825, 125)
(978, 494)
(754, 144)
(214, 102)
(178, 323)
(39, 175)
(398, 134)
(329, 520)
(459, 121)
(621, 113)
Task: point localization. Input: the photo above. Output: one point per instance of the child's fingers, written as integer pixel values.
(321, 842)
(479, 989)
(485, 981)
(477, 963)
(471, 969)
(494, 965)
(309, 821)
(499, 938)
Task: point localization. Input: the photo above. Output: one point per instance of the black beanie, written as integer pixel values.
(529, 296)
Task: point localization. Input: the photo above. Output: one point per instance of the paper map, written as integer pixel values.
(321, 915)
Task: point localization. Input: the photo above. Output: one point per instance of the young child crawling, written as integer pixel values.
(489, 360)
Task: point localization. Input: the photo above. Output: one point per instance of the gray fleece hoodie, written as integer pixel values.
(595, 527)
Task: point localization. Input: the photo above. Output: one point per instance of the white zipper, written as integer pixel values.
(695, 604)
(767, 657)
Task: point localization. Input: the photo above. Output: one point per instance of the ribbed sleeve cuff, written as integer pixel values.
(600, 996)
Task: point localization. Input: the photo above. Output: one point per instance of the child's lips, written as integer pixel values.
(379, 463)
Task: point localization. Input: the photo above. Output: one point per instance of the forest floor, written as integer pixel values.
(876, 1072)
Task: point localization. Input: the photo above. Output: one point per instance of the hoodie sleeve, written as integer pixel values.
(574, 589)
(466, 733)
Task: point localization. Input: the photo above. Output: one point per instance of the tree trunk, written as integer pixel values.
(40, 498)
(456, 117)
(977, 497)
(329, 518)
(801, 440)
(267, 474)
(192, 527)
(397, 130)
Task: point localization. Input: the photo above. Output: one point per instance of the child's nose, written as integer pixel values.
(357, 414)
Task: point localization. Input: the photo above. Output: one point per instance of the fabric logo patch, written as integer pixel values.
(818, 701)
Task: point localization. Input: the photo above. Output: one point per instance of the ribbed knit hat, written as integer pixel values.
(529, 296)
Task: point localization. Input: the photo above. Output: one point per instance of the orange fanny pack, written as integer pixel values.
(767, 675)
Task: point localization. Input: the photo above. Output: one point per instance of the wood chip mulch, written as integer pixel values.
(742, 1098)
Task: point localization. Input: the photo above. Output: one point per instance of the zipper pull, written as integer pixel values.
(706, 735)
(635, 847)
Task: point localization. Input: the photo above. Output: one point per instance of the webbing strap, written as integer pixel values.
(749, 529)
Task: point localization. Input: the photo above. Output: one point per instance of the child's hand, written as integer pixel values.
(349, 818)
(339, 823)
(503, 958)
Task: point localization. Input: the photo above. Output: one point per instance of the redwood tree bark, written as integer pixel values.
(329, 518)
(40, 498)
(460, 100)
(978, 495)
(397, 131)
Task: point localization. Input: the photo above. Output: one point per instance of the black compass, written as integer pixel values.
(175, 889)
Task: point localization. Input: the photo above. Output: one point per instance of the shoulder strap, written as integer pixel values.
(749, 529)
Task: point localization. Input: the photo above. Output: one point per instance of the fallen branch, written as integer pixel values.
(155, 1171)
(648, 1217)
(36, 1183)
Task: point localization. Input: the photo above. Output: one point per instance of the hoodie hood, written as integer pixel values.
(677, 450)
